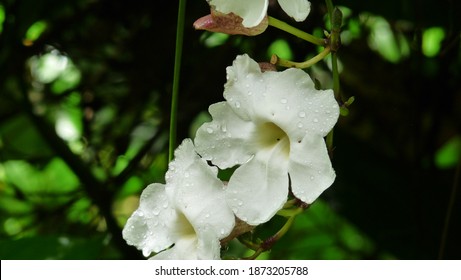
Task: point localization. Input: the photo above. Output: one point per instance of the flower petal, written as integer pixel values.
(198, 193)
(310, 168)
(288, 99)
(148, 227)
(259, 188)
(205, 246)
(183, 249)
(226, 141)
(252, 12)
(229, 24)
(297, 9)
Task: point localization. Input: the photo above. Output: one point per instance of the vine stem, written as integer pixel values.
(177, 70)
(296, 32)
(301, 65)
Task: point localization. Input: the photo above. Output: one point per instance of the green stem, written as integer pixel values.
(336, 84)
(301, 65)
(177, 70)
(329, 7)
(296, 32)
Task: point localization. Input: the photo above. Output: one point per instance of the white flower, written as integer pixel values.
(273, 125)
(254, 11)
(189, 212)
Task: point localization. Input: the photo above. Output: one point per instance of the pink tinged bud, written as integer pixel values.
(229, 24)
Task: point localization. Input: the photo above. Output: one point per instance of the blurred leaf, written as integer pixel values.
(432, 41)
(52, 247)
(45, 186)
(448, 155)
(35, 30)
(21, 140)
(281, 48)
(321, 234)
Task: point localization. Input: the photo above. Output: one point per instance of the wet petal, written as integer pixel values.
(252, 12)
(259, 188)
(297, 9)
(148, 227)
(310, 168)
(288, 99)
(227, 140)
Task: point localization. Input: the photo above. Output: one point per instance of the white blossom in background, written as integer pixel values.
(254, 11)
(273, 124)
(188, 212)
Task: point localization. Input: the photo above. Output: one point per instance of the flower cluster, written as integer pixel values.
(271, 126)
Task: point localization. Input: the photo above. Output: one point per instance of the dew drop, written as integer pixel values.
(300, 125)
(223, 231)
(283, 101)
(146, 252)
(316, 120)
(302, 114)
(240, 203)
(140, 214)
(209, 130)
(156, 211)
(165, 204)
(249, 92)
(312, 178)
(224, 128)
(186, 174)
(237, 104)
(207, 215)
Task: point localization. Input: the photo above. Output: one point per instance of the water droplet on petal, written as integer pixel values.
(302, 114)
(207, 215)
(209, 130)
(312, 178)
(223, 128)
(156, 211)
(300, 124)
(240, 203)
(316, 120)
(237, 104)
(249, 92)
(223, 231)
(140, 214)
(283, 100)
(165, 204)
(186, 174)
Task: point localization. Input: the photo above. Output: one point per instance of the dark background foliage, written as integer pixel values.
(85, 90)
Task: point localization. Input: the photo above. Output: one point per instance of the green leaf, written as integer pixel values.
(19, 139)
(432, 41)
(448, 155)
